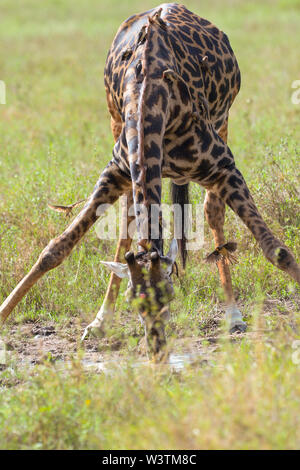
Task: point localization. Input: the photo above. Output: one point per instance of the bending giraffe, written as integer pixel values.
(170, 79)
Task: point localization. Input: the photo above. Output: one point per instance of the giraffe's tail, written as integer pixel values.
(180, 195)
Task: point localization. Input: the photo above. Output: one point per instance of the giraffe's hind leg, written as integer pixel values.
(104, 316)
(214, 209)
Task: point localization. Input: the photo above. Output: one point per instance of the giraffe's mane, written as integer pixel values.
(152, 21)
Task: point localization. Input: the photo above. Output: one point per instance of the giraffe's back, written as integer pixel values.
(190, 40)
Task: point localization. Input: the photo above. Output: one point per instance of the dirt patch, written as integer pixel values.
(33, 343)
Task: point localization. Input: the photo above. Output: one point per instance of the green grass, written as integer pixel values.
(54, 141)
(247, 397)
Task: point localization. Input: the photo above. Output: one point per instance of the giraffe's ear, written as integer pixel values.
(173, 251)
(120, 269)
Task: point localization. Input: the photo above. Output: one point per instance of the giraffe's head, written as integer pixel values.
(150, 289)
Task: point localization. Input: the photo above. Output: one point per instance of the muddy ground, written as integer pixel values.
(31, 343)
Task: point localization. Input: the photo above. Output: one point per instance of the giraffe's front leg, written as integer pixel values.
(230, 186)
(214, 209)
(105, 315)
(112, 183)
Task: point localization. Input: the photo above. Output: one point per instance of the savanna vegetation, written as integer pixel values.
(236, 392)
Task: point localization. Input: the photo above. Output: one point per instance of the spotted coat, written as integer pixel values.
(170, 80)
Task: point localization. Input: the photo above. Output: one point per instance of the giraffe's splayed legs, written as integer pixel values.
(104, 317)
(233, 190)
(112, 183)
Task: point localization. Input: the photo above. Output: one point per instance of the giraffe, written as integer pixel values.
(170, 78)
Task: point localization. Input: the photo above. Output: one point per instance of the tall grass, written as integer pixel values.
(245, 397)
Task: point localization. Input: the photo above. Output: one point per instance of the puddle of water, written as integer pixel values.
(187, 353)
(180, 361)
(176, 362)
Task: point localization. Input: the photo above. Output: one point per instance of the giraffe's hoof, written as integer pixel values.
(239, 327)
(234, 320)
(94, 329)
